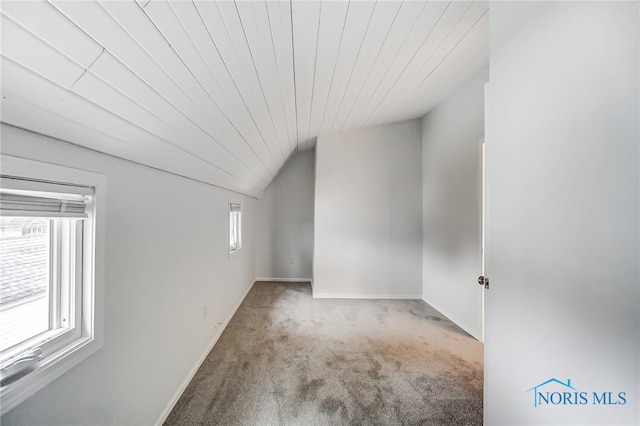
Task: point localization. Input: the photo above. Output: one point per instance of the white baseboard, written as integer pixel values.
(187, 380)
(287, 280)
(365, 296)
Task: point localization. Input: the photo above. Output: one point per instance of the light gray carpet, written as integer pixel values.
(288, 359)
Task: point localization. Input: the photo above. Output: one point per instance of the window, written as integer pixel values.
(47, 276)
(235, 227)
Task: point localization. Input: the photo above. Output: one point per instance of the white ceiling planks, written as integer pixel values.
(224, 92)
(216, 138)
(355, 30)
(457, 25)
(419, 32)
(22, 86)
(42, 20)
(101, 99)
(236, 58)
(221, 84)
(437, 86)
(383, 16)
(257, 29)
(21, 91)
(216, 121)
(332, 21)
(279, 20)
(306, 21)
(392, 46)
(34, 54)
(246, 75)
(127, 33)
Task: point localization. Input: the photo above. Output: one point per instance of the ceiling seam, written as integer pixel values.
(288, 88)
(442, 60)
(406, 66)
(255, 69)
(355, 64)
(70, 90)
(313, 84)
(335, 63)
(295, 86)
(275, 61)
(138, 76)
(119, 117)
(133, 39)
(85, 69)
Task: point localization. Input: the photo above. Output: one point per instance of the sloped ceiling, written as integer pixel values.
(225, 92)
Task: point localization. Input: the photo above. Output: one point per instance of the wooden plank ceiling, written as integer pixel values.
(225, 92)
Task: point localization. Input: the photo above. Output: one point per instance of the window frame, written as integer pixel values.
(66, 251)
(89, 335)
(235, 207)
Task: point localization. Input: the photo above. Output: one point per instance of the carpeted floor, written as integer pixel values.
(288, 359)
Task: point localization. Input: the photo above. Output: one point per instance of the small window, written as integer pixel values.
(47, 284)
(235, 227)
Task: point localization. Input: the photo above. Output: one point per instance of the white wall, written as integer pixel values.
(562, 160)
(284, 236)
(165, 261)
(368, 208)
(451, 203)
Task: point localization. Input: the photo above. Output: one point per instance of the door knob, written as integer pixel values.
(482, 280)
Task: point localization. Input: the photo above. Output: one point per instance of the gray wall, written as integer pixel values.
(284, 237)
(451, 202)
(368, 213)
(164, 263)
(562, 160)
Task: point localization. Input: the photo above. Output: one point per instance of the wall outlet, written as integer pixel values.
(291, 261)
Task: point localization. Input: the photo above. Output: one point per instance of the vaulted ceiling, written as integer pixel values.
(224, 92)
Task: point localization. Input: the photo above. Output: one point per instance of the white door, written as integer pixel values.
(562, 315)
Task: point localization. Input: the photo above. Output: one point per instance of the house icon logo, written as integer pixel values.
(539, 396)
(557, 392)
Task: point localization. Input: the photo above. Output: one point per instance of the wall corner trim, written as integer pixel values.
(457, 321)
(174, 400)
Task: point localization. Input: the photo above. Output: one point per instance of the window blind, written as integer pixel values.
(31, 198)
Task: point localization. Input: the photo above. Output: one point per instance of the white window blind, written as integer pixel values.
(31, 198)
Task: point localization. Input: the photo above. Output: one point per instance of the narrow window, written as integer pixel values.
(235, 227)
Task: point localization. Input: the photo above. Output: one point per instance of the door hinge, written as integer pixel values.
(482, 280)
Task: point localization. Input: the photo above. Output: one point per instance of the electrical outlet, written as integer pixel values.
(291, 261)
